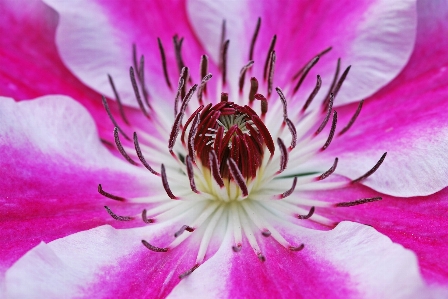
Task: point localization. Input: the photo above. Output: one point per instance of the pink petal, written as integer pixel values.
(405, 118)
(52, 162)
(375, 37)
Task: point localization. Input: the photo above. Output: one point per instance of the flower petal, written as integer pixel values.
(52, 162)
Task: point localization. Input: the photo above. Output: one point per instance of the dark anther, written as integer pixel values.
(204, 69)
(185, 72)
(222, 41)
(253, 89)
(291, 190)
(214, 166)
(284, 155)
(297, 248)
(192, 133)
(224, 62)
(327, 115)
(165, 70)
(190, 173)
(352, 120)
(307, 216)
(182, 229)
(180, 85)
(358, 202)
(116, 217)
(261, 257)
(237, 248)
(136, 92)
(313, 93)
(154, 248)
(266, 233)
(237, 176)
(145, 218)
(202, 87)
(106, 106)
(333, 83)
(140, 156)
(296, 75)
(327, 173)
(188, 272)
(134, 57)
(141, 77)
(341, 80)
(243, 74)
(108, 195)
(284, 103)
(117, 97)
(271, 72)
(332, 130)
(254, 39)
(306, 70)
(371, 171)
(266, 64)
(224, 97)
(264, 103)
(121, 149)
(178, 51)
(165, 183)
(293, 131)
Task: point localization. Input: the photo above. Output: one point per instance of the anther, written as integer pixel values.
(284, 155)
(188, 272)
(297, 248)
(121, 149)
(182, 229)
(341, 80)
(224, 62)
(293, 131)
(243, 74)
(309, 62)
(141, 76)
(224, 97)
(165, 184)
(333, 83)
(237, 176)
(154, 248)
(204, 69)
(106, 106)
(134, 57)
(163, 57)
(358, 202)
(190, 173)
(306, 70)
(332, 130)
(327, 173)
(261, 257)
(371, 171)
(284, 103)
(237, 248)
(352, 120)
(264, 103)
(254, 39)
(141, 157)
(266, 64)
(185, 77)
(307, 216)
(266, 233)
(327, 115)
(271, 72)
(290, 191)
(108, 195)
(221, 44)
(178, 51)
(116, 217)
(253, 89)
(313, 94)
(214, 167)
(136, 92)
(145, 217)
(180, 85)
(117, 97)
(202, 86)
(192, 133)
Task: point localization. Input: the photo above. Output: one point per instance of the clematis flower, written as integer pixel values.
(235, 183)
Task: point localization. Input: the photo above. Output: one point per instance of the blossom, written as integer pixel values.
(96, 261)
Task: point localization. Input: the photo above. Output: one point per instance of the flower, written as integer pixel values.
(330, 259)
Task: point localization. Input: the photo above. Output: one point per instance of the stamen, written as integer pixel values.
(192, 134)
(190, 173)
(264, 103)
(261, 257)
(202, 86)
(178, 51)
(266, 64)
(371, 171)
(116, 217)
(253, 89)
(358, 202)
(352, 120)
(182, 229)
(117, 97)
(271, 72)
(108, 195)
(180, 85)
(185, 77)
(163, 57)
(307, 216)
(293, 131)
(141, 76)
(221, 44)
(121, 149)
(188, 272)
(154, 248)
(243, 74)
(284, 103)
(145, 218)
(254, 39)
(237, 176)
(213, 160)
(332, 130)
(224, 97)
(134, 57)
(327, 173)
(290, 191)
(308, 63)
(166, 185)
(313, 94)
(333, 83)
(306, 70)
(204, 69)
(141, 157)
(327, 116)
(266, 233)
(341, 80)
(224, 62)
(106, 106)
(136, 92)
(284, 155)
(298, 248)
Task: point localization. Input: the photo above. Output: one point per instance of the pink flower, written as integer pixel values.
(265, 212)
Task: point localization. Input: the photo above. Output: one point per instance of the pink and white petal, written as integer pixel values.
(52, 163)
(95, 38)
(375, 37)
(404, 119)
